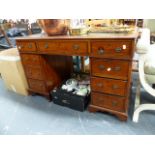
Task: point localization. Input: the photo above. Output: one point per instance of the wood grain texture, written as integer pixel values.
(61, 47)
(117, 49)
(109, 86)
(47, 62)
(108, 101)
(109, 68)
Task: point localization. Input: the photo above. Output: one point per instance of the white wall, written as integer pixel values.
(150, 23)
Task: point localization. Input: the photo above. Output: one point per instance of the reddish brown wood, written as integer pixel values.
(117, 69)
(117, 49)
(122, 117)
(108, 101)
(109, 86)
(26, 46)
(63, 47)
(31, 60)
(47, 62)
(38, 86)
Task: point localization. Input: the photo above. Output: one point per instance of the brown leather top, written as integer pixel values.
(89, 36)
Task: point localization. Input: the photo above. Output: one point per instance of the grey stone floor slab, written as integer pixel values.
(20, 115)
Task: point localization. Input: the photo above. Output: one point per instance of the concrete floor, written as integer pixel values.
(35, 115)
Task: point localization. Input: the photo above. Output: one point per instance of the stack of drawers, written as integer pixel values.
(34, 72)
(32, 64)
(110, 76)
(43, 75)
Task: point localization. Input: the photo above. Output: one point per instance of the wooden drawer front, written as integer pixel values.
(26, 46)
(31, 60)
(116, 69)
(109, 86)
(109, 101)
(36, 85)
(112, 49)
(64, 47)
(34, 73)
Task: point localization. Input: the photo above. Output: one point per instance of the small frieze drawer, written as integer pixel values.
(26, 46)
(112, 49)
(74, 47)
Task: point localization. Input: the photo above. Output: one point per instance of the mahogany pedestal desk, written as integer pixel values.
(47, 62)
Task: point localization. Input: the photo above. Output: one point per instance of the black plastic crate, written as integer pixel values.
(70, 100)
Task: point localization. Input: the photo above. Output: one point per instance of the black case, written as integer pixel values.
(68, 99)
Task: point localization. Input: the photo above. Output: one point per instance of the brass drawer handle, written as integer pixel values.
(30, 45)
(99, 84)
(46, 45)
(114, 103)
(101, 67)
(76, 47)
(115, 87)
(117, 68)
(119, 49)
(101, 51)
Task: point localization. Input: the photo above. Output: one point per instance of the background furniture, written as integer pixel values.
(47, 62)
(12, 71)
(146, 72)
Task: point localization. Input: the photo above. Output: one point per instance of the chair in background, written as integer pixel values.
(146, 72)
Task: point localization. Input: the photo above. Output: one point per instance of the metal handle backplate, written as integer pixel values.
(76, 47)
(118, 49)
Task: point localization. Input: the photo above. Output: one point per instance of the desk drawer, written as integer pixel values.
(108, 101)
(31, 60)
(64, 47)
(37, 86)
(112, 49)
(109, 86)
(117, 69)
(27, 46)
(34, 73)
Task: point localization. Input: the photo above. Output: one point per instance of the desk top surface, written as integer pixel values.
(88, 36)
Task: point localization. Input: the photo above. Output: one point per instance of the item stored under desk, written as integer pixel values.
(70, 100)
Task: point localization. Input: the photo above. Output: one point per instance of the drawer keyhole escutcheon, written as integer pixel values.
(114, 103)
(100, 50)
(46, 45)
(99, 84)
(76, 47)
(115, 86)
(29, 45)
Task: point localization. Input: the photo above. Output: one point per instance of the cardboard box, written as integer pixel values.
(12, 71)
